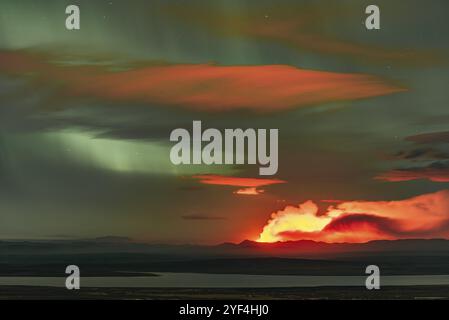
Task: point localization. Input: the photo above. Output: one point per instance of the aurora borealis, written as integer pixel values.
(86, 115)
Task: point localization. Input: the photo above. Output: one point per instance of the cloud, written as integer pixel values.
(303, 219)
(436, 171)
(205, 87)
(236, 181)
(355, 222)
(249, 191)
(289, 33)
(251, 185)
(432, 137)
(421, 154)
(425, 216)
(362, 227)
(349, 228)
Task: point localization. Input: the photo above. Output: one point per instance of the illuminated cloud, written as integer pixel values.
(249, 191)
(301, 219)
(250, 185)
(198, 86)
(425, 216)
(236, 181)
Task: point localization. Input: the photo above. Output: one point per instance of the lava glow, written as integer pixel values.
(424, 216)
(303, 218)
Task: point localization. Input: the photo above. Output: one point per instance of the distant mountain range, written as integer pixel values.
(309, 247)
(112, 256)
(302, 248)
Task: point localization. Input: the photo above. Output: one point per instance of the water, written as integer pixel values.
(201, 280)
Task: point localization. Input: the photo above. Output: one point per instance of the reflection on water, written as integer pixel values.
(201, 280)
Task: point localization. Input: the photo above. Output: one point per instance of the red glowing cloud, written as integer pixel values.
(236, 181)
(250, 185)
(405, 175)
(199, 86)
(424, 216)
(249, 191)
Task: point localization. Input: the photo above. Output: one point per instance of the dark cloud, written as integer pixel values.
(421, 154)
(433, 137)
(437, 171)
(358, 222)
(202, 217)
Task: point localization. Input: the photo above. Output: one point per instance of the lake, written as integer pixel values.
(201, 280)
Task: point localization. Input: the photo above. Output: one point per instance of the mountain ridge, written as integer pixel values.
(301, 248)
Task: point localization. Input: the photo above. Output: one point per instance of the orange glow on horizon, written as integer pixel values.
(425, 216)
(303, 218)
(236, 181)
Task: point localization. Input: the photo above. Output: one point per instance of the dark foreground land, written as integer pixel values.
(122, 257)
(344, 293)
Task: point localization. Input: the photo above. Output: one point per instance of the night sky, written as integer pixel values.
(86, 115)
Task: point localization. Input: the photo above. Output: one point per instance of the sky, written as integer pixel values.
(86, 116)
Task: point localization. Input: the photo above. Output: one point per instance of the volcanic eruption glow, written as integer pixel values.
(302, 218)
(424, 216)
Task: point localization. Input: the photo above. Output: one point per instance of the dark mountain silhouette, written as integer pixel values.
(302, 248)
(309, 247)
(121, 256)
